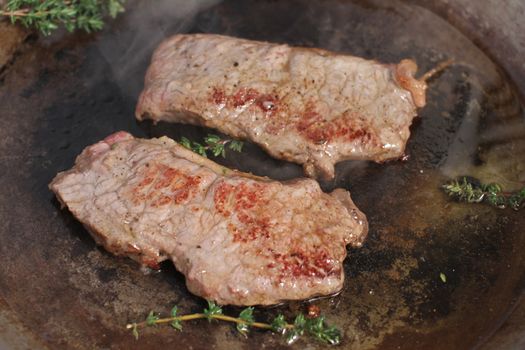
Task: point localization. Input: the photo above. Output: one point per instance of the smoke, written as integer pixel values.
(127, 46)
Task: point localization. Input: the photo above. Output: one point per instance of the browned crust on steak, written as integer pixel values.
(238, 238)
(310, 106)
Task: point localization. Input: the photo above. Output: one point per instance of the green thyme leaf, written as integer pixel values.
(174, 311)
(48, 15)
(175, 323)
(199, 149)
(491, 188)
(152, 318)
(517, 199)
(443, 277)
(185, 142)
(114, 8)
(279, 324)
(330, 335)
(213, 309)
(212, 139)
(236, 145)
(470, 190)
(246, 316)
(467, 192)
(216, 145)
(300, 321)
(297, 331)
(291, 335)
(135, 332)
(317, 328)
(495, 200)
(213, 144)
(315, 324)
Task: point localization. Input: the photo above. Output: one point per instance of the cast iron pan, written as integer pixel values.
(60, 94)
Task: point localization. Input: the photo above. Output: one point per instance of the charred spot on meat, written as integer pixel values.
(239, 239)
(308, 106)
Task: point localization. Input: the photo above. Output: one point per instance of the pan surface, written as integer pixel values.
(58, 290)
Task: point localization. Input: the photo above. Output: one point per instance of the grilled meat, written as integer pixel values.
(239, 239)
(308, 106)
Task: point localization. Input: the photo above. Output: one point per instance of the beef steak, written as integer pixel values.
(239, 239)
(309, 106)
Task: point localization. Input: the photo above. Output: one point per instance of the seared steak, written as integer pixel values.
(309, 106)
(239, 239)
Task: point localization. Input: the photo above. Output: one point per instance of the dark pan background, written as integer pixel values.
(62, 93)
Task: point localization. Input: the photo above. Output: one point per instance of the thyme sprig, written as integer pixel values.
(48, 15)
(314, 327)
(214, 144)
(470, 190)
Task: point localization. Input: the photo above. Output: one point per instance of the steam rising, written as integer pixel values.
(127, 48)
(386, 33)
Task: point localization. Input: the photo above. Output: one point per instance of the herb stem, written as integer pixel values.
(20, 13)
(314, 327)
(198, 316)
(436, 70)
(471, 190)
(48, 15)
